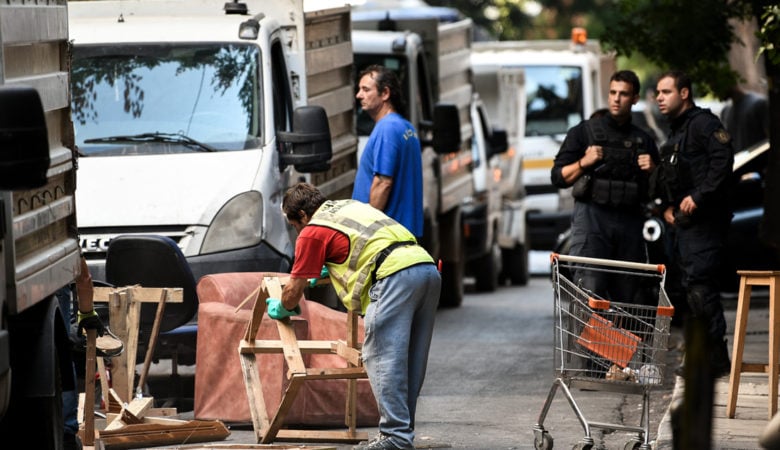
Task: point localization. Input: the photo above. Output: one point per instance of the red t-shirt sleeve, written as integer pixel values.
(314, 246)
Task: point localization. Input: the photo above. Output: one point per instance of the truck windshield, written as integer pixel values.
(191, 98)
(555, 101)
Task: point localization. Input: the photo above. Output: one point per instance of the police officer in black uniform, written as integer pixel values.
(694, 181)
(608, 160)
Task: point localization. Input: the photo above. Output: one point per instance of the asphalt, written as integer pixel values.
(751, 420)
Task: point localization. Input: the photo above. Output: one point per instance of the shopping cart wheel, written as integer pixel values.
(633, 444)
(583, 446)
(542, 440)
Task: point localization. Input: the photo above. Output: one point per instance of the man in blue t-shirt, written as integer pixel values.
(389, 175)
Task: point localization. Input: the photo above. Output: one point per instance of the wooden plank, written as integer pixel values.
(89, 389)
(133, 413)
(152, 340)
(103, 381)
(264, 346)
(292, 354)
(336, 373)
(257, 312)
(254, 392)
(250, 297)
(115, 403)
(296, 381)
(140, 294)
(123, 320)
(169, 432)
(349, 354)
(321, 436)
(354, 359)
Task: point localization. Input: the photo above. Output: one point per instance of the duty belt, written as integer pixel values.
(385, 253)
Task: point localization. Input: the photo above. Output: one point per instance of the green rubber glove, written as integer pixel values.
(323, 274)
(277, 311)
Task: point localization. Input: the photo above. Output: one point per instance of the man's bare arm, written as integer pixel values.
(380, 191)
(293, 291)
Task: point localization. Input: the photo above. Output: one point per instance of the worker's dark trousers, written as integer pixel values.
(608, 233)
(699, 251)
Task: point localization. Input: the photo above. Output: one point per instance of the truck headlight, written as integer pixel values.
(238, 224)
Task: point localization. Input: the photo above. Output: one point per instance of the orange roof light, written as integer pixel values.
(579, 36)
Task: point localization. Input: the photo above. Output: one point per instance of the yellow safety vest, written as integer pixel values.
(369, 231)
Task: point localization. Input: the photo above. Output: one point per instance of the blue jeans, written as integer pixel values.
(399, 327)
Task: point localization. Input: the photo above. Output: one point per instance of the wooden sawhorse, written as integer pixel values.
(748, 279)
(124, 310)
(267, 430)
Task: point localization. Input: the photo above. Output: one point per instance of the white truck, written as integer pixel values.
(192, 117)
(565, 82)
(39, 251)
(432, 62)
(502, 99)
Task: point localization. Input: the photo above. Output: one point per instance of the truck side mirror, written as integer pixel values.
(446, 129)
(498, 143)
(24, 141)
(307, 146)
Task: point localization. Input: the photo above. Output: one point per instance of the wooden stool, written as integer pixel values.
(748, 279)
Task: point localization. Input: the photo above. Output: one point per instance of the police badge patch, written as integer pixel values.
(722, 136)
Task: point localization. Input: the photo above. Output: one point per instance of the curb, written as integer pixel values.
(664, 439)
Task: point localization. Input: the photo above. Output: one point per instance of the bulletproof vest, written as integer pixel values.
(673, 176)
(620, 152)
(615, 182)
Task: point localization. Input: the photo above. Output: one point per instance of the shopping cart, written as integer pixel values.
(605, 345)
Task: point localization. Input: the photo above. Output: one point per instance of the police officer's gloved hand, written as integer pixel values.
(90, 321)
(324, 273)
(277, 311)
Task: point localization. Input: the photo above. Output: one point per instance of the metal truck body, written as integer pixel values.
(183, 115)
(39, 253)
(565, 83)
(502, 101)
(432, 62)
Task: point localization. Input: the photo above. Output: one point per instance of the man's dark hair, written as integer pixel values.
(681, 80)
(387, 79)
(627, 76)
(301, 197)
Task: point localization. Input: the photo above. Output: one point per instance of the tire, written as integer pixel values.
(515, 265)
(487, 269)
(38, 420)
(452, 292)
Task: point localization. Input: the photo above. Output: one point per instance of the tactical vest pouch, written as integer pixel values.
(615, 193)
(581, 188)
(623, 193)
(601, 191)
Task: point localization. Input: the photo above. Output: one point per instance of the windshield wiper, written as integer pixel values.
(153, 137)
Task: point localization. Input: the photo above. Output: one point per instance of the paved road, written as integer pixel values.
(490, 370)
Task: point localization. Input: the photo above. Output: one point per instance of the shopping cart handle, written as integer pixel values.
(660, 268)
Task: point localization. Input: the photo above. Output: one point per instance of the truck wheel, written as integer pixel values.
(515, 267)
(487, 269)
(452, 273)
(37, 420)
